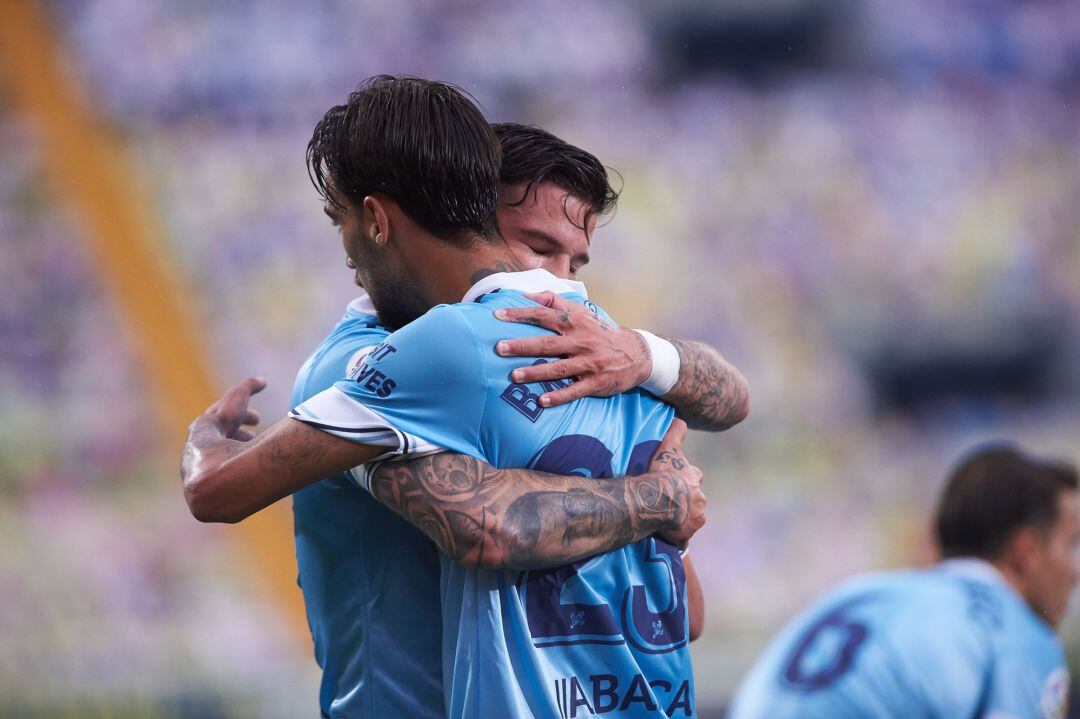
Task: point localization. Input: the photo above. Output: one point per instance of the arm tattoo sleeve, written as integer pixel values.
(482, 516)
(710, 393)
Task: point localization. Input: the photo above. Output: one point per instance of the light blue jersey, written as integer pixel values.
(373, 613)
(605, 636)
(951, 642)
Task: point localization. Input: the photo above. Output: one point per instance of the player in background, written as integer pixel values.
(360, 598)
(972, 636)
(288, 455)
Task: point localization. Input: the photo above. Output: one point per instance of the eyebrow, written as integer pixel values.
(581, 257)
(540, 235)
(332, 212)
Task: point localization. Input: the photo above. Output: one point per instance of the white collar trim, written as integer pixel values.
(538, 280)
(363, 305)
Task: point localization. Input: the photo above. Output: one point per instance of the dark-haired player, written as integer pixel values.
(358, 599)
(607, 520)
(971, 637)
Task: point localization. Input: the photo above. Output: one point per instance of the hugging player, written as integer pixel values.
(414, 245)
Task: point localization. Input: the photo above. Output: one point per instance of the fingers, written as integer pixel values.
(670, 448)
(242, 435)
(676, 433)
(243, 391)
(549, 371)
(550, 299)
(539, 346)
(250, 386)
(575, 391)
(556, 320)
(231, 410)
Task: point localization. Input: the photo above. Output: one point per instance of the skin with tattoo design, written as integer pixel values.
(225, 483)
(218, 487)
(482, 516)
(541, 226)
(478, 515)
(710, 393)
(409, 201)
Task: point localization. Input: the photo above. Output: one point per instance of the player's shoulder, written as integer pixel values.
(339, 354)
(461, 321)
(952, 595)
(935, 606)
(354, 329)
(441, 345)
(436, 325)
(344, 349)
(899, 597)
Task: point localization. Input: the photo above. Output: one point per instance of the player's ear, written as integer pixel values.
(376, 219)
(1025, 549)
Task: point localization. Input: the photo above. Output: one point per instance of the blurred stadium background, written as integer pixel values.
(873, 208)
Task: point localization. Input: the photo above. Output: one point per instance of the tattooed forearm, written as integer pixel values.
(710, 393)
(523, 518)
(542, 528)
(658, 498)
(227, 480)
(293, 456)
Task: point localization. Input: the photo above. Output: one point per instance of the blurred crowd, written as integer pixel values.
(876, 220)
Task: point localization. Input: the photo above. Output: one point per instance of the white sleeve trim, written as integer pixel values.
(338, 414)
(362, 475)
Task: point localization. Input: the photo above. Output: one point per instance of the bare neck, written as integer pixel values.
(446, 272)
(1011, 577)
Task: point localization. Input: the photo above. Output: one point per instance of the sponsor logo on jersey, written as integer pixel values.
(359, 369)
(352, 367)
(599, 694)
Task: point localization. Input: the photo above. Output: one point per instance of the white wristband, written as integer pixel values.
(666, 364)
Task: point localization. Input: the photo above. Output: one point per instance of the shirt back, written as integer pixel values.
(607, 635)
(951, 642)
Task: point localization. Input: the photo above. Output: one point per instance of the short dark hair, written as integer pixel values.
(531, 155)
(995, 491)
(424, 144)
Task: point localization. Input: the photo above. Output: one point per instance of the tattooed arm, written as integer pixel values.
(709, 393)
(229, 476)
(486, 517)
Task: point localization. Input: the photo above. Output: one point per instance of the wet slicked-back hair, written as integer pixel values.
(531, 156)
(993, 493)
(424, 144)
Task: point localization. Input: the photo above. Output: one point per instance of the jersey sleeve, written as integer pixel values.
(420, 391)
